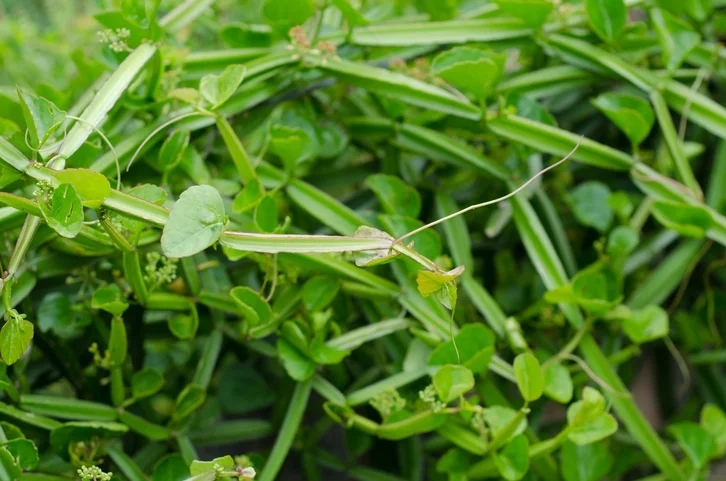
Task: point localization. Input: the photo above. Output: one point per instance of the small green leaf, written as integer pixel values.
(189, 400)
(93, 188)
(171, 468)
(65, 214)
(607, 17)
(475, 343)
(172, 150)
(184, 326)
(593, 430)
(248, 197)
(8, 464)
(530, 378)
(442, 286)
(282, 15)
(646, 324)
(622, 241)
(500, 418)
(695, 441)
(55, 313)
(468, 69)
(686, 219)
(195, 222)
(455, 460)
(533, 12)
(394, 195)
(351, 14)
(452, 381)
(146, 382)
(290, 144)
(15, 337)
(590, 407)
(296, 362)
(677, 39)
(318, 292)
(713, 420)
(187, 95)
(633, 115)
(512, 461)
(77, 431)
(266, 214)
(217, 89)
(41, 116)
(588, 462)
(110, 299)
(24, 452)
(324, 354)
(199, 467)
(589, 202)
(594, 289)
(558, 383)
(256, 310)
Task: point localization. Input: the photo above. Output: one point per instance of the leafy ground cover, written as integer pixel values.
(369, 240)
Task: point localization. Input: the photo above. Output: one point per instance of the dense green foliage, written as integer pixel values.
(216, 264)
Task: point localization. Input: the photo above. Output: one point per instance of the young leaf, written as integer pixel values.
(695, 441)
(146, 382)
(443, 286)
(686, 219)
(217, 89)
(282, 15)
(110, 299)
(296, 362)
(195, 222)
(468, 69)
(249, 197)
(184, 326)
(607, 18)
(24, 452)
(646, 324)
(291, 144)
(589, 202)
(65, 214)
(394, 195)
(266, 214)
(93, 188)
(15, 337)
(558, 383)
(513, 460)
(534, 13)
(172, 150)
(622, 241)
(256, 310)
(530, 378)
(713, 420)
(475, 344)
(189, 400)
(677, 39)
(452, 381)
(199, 467)
(633, 115)
(351, 14)
(588, 462)
(318, 292)
(593, 430)
(41, 116)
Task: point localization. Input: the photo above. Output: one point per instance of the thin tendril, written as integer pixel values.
(494, 201)
(591, 374)
(156, 131)
(108, 143)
